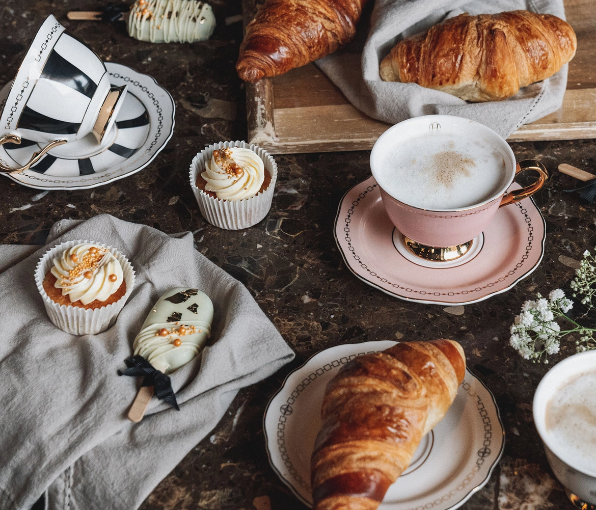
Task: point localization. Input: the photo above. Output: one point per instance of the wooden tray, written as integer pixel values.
(302, 111)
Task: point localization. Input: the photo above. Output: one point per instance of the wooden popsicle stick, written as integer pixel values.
(566, 169)
(139, 406)
(84, 15)
(230, 20)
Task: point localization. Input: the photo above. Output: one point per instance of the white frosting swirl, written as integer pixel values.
(234, 173)
(171, 21)
(87, 273)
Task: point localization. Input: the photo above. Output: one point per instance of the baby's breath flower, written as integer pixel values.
(565, 305)
(542, 305)
(552, 346)
(529, 305)
(515, 341)
(547, 315)
(526, 319)
(535, 332)
(526, 352)
(585, 279)
(555, 295)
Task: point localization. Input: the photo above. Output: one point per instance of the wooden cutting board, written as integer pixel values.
(302, 111)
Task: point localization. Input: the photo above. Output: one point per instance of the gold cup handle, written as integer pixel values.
(528, 191)
(5, 169)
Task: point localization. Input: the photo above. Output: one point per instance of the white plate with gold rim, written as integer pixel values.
(452, 462)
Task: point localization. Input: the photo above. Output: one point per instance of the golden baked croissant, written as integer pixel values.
(291, 33)
(375, 412)
(485, 57)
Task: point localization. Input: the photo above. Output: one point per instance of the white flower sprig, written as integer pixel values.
(535, 333)
(585, 278)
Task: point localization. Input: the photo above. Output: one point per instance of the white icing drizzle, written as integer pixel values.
(84, 273)
(183, 339)
(171, 21)
(241, 180)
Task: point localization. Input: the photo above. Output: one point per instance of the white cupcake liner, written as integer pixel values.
(233, 214)
(74, 319)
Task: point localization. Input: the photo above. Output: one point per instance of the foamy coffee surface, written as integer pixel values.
(571, 420)
(442, 172)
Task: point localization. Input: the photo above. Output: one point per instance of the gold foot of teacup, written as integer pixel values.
(578, 503)
(436, 254)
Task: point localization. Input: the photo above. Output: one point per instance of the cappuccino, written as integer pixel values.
(571, 420)
(443, 172)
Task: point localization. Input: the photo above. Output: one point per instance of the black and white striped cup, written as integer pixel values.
(60, 94)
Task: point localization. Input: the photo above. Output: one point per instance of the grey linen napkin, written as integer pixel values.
(63, 425)
(355, 69)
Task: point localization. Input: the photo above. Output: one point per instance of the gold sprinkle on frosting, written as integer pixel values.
(91, 261)
(224, 159)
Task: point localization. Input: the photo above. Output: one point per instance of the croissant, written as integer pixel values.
(485, 57)
(375, 412)
(291, 33)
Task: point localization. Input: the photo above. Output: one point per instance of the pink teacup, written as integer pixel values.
(442, 179)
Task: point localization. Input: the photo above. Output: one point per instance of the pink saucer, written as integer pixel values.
(513, 248)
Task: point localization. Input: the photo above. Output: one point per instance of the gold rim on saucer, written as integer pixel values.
(437, 254)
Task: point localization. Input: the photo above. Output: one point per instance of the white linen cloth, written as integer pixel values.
(63, 426)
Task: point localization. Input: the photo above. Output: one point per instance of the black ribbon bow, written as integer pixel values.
(114, 12)
(588, 191)
(137, 366)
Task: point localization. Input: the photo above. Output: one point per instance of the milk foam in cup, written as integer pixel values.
(443, 172)
(443, 178)
(565, 417)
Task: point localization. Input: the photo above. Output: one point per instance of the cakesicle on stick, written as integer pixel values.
(159, 21)
(167, 21)
(173, 334)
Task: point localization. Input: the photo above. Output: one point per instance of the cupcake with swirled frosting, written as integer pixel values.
(84, 285)
(233, 183)
(85, 275)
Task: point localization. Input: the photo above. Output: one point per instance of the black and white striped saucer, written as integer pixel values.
(143, 126)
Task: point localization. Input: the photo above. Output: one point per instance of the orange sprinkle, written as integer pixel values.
(88, 275)
(177, 342)
(223, 159)
(163, 332)
(89, 262)
(112, 277)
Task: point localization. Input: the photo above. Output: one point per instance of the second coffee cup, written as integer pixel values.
(443, 178)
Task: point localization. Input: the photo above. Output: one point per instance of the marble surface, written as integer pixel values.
(292, 267)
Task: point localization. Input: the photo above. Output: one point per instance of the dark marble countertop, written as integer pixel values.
(291, 264)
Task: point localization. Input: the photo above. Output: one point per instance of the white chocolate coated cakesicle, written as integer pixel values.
(167, 21)
(173, 334)
(176, 329)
